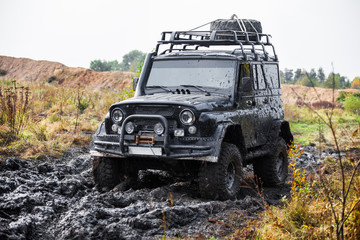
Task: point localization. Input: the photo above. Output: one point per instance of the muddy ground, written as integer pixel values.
(57, 200)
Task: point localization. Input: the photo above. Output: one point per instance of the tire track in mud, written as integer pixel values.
(57, 200)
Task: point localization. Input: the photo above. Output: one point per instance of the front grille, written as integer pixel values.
(145, 125)
(148, 125)
(166, 111)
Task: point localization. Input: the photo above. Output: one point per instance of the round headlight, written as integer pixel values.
(159, 129)
(187, 117)
(117, 115)
(130, 127)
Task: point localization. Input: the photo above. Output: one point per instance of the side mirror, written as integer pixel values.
(135, 82)
(246, 84)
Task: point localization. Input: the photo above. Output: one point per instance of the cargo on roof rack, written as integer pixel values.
(254, 43)
(245, 35)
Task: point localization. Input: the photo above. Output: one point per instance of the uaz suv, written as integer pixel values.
(207, 103)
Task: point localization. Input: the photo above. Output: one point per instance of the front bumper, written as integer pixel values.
(152, 145)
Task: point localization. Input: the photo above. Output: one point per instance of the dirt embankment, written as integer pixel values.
(295, 94)
(28, 70)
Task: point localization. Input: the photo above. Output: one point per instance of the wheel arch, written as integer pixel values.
(285, 133)
(281, 128)
(233, 134)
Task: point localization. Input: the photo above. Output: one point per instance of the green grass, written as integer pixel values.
(307, 127)
(305, 133)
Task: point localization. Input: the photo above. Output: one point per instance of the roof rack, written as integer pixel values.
(247, 41)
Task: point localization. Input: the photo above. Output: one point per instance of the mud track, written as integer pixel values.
(57, 200)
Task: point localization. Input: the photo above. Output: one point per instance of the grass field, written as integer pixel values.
(308, 128)
(51, 118)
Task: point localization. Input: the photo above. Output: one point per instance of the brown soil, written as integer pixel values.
(28, 70)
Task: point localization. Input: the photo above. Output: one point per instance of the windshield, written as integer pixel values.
(205, 73)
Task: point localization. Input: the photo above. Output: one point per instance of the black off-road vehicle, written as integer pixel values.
(207, 103)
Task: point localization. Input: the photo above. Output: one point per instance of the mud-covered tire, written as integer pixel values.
(233, 25)
(222, 180)
(273, 169)
(106, 173)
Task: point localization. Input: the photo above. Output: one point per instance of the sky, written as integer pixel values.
(306, 34)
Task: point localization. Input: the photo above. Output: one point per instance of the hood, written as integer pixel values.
(200, 101)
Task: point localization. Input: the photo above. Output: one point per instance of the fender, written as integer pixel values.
(280, 128)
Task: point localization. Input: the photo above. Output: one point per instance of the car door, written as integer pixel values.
(261, 110)
(246, 105)
(271, 73)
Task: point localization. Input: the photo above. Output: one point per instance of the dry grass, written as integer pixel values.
(325, 203)
(308, 213)
(57, 118)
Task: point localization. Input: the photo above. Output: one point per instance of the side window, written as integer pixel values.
(245, 78)
(259, 77)
(245, 70)
(272, 75)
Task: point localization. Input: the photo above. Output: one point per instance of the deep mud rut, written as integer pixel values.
(57, 200)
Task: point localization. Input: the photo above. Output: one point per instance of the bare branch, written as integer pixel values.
(351, 179)
(348, 214)
(327, 194)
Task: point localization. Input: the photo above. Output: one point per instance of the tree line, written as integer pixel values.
(133, 60)
(130, 63)
(317, 78)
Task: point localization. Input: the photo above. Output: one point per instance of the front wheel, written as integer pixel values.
(273, 169)
(222, 180)
(106, 173)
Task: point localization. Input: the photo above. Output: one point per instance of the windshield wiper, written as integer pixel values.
(198, 88)
(162, 87)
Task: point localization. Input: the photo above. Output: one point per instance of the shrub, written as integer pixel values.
(83, 104)
(52, 79)
(342, 96)
(2, 72)
(352, 103)
(54, 118)
(356, 83)
(322, 104)
(15, 107)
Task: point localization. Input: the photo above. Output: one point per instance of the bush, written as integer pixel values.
(15, 103)
(343, 95)
(2, 72)
(103, 66)
(352, 104)
(322, 104)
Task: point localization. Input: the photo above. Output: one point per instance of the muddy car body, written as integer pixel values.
(200, 111)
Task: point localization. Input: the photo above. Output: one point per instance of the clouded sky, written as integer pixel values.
(306, 33)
